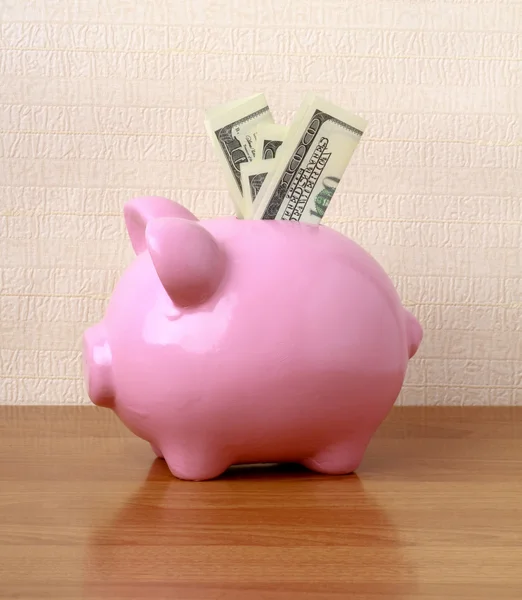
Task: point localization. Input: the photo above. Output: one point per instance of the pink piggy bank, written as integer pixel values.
(243, 341)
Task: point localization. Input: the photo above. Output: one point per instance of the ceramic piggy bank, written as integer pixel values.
(233, 341)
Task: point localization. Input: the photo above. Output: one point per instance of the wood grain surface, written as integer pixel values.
(435, 511)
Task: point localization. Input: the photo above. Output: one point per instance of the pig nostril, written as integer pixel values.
(97, 365)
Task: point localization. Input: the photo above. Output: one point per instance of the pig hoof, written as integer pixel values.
(156, 451)
(339, 459)
(194, 467)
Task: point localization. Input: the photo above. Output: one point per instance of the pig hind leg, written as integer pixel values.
(339, 458)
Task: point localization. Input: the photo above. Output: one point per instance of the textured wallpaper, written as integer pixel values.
(102, 101)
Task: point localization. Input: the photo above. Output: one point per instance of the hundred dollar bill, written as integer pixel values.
(253, 175)
(232, 130)
(310, 163)
(269, 139)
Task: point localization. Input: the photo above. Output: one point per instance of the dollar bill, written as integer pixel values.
(232, 130)
(269, 139)
(310, 163)
(253, 175)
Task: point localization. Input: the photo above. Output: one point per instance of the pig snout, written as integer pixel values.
(413, 334)
(97, 365)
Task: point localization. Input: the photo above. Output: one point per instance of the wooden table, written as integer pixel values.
(434, 512)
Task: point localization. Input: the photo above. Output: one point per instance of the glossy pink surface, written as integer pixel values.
(238, 341)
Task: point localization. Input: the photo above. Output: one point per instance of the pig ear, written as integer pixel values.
(187, 259)
(139, 211)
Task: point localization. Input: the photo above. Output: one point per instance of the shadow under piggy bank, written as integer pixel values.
(271, 532)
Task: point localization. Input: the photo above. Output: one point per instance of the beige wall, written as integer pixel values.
(101, 101)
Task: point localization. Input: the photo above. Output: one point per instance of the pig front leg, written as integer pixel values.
(194, 464)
